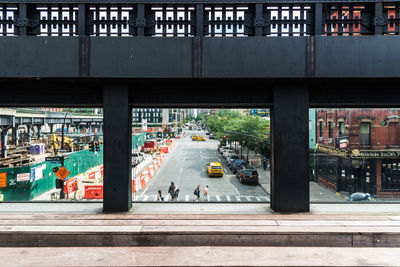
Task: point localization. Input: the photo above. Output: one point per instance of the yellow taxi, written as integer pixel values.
(214, 169)
(198, 138)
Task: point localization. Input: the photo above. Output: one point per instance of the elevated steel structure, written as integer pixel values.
(283, 55)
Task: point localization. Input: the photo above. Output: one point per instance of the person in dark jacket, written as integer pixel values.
(176, 194)
(197, 193)
(171, 190)
(159, 196)
(265, 163)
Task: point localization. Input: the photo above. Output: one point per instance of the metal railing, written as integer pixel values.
(195, 18)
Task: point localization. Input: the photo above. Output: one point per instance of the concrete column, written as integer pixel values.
(117, 194)
(51, 127)
(38, 126)
(29, 131)
(3, 139)
(289, 148)
(89, 126)
(14, 135)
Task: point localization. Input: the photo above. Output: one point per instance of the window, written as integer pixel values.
(321, 129)
(393, 133)
(390, 175)
(330, 125)
(365, 133)
(341, 128)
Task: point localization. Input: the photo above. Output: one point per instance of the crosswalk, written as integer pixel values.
(216, 198)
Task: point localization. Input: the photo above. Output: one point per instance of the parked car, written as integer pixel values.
(236, 164)
(222, 148)
(211, 136)
(228, 152)
(247, 173)
(137, 157)
(231, 158)
(215, 169)
(207, 133)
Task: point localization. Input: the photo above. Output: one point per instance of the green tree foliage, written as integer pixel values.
(252, 132)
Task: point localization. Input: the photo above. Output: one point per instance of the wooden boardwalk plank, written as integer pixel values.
(135, 222)
(195, 217)
(200, 256)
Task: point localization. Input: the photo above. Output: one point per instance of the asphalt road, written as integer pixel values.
(186, 167)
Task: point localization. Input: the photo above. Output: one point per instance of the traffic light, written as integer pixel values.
(97, 146)
(91, 147)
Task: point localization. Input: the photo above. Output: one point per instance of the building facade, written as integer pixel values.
(358, 150)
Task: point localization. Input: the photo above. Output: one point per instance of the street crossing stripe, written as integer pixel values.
(216, 198)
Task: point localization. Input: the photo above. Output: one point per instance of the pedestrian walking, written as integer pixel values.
(159, 196)
(265, 163)
(171, 190)
(205, 193)
(176, 194)
(197, 193)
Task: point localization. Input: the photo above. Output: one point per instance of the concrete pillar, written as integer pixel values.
(3, 139)
(89, 126)
(14, 135)
(51, 128)
(38, 127)
(29, 131)
(117, 194)
(290, 189)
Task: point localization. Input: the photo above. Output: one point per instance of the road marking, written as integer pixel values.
(187, 198)
(166, 198)
(218, 198)
(248, 198)
(228, 198)
(237, 190)
(180, 171)
(238, 198)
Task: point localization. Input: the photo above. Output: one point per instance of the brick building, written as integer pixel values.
(358, 150)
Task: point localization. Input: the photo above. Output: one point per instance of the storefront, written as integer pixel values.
(374, 172)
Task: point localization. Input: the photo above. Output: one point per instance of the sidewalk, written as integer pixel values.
(318, 193)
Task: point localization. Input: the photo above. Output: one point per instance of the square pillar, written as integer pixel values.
(289, 149)
(117, 191)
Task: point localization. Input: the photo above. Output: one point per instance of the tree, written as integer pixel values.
(251, 132)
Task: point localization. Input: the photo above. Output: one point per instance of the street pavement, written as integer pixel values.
(186, 167)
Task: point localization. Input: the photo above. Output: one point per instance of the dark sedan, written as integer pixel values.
(247, 173)
(236, 164)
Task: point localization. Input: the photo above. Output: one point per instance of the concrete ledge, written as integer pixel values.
(199, 256)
